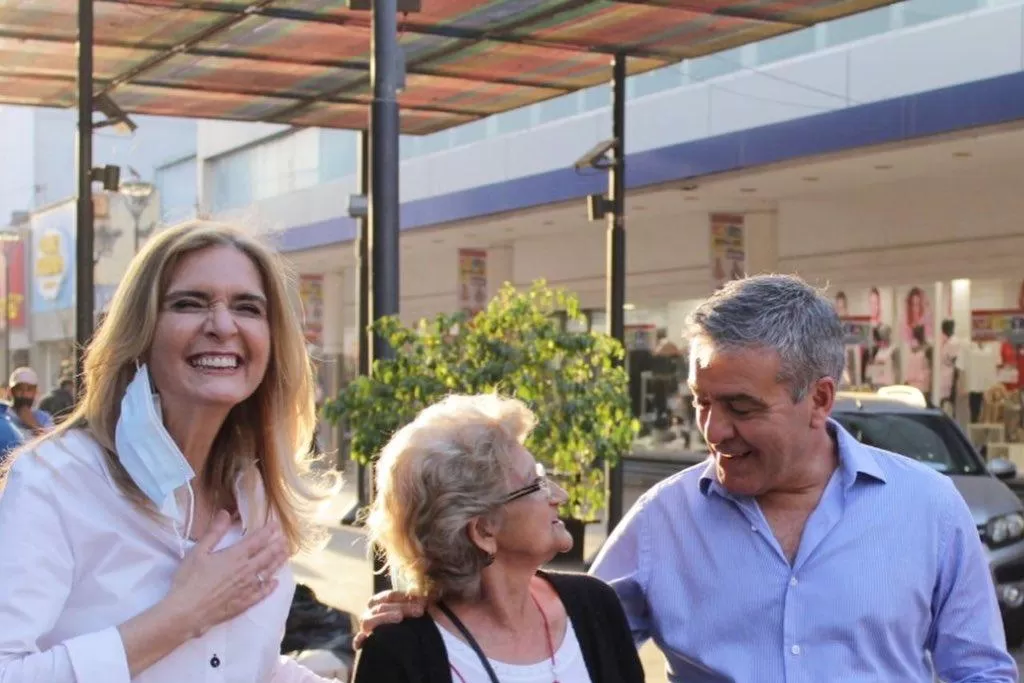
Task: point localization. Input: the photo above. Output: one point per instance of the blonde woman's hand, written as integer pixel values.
(213, 586)
(389, 607)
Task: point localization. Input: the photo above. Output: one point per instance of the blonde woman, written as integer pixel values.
(467, 519)
(146, 539)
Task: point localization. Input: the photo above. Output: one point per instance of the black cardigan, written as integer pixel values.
(413, 651)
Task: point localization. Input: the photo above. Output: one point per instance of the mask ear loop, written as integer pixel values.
(191, 510)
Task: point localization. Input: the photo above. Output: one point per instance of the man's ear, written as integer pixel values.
(823, 397)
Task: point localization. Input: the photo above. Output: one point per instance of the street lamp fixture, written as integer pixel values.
(138, 194)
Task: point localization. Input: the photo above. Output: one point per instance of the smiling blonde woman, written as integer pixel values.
(147, 538)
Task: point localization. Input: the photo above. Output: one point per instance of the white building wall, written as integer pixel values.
(961, 48)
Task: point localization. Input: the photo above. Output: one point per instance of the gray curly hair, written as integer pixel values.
(781, 313)
(445, 468)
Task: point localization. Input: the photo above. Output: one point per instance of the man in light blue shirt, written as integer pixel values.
(797, 554)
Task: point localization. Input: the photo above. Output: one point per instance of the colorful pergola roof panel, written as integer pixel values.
(306, 62)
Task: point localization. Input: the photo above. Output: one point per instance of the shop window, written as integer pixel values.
(230, 181)
(338, 154)
(558, 108)
(713, 66)
(176, 183)
(656, 81)
(786, 46)
(596, 98)
(514, 121)
(922, 11)
(858, 26)
(468, 133)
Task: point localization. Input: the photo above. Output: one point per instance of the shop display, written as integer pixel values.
(884, 360)
(982, 373)
(920, 363)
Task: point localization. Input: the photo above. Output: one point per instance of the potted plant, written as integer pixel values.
(517, 346)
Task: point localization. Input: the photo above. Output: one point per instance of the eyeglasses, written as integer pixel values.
(541, 483)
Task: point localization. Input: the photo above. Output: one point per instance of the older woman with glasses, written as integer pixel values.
(466, 518)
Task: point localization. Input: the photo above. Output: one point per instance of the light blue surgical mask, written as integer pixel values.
(147, 451)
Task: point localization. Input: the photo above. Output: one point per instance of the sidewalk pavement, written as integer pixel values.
(342, 577)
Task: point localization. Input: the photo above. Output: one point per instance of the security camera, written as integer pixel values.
(597, 156)
(357, 206)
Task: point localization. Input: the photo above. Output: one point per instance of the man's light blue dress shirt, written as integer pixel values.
(890, 565)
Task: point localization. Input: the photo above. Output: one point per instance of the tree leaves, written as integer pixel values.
(517, 347)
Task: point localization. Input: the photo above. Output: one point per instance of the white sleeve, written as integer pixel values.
(290, 671)
(36, 575)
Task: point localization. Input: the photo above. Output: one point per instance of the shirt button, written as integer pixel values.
(795, 649)
(793, 582)
(215, 661)
(753, 528)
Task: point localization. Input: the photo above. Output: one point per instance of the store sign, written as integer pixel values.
(997, 325)
(856, 330)
(311, 293)
(472, 281)
(53, 259)
(728, 248)
(13, 285)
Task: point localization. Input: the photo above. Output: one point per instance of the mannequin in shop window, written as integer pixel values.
(919, 363)
(885, 359)
(664, 382)
(950, 368)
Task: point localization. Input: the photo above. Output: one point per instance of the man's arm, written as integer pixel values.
(622, 565)
(966, 639)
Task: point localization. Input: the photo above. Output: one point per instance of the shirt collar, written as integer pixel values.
(855, 459)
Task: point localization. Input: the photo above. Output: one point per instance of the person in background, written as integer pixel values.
(24, 385)
(951, 365)
(147, 538)
(467, 519)
(10, 438)
(61, 400)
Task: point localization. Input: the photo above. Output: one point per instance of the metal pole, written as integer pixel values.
(363, 257)
(363, 311)
(384, 216)
(84, 229)
(138, 220)
(7, 311)
(616, 254)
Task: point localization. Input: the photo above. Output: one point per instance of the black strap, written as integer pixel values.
(469, 639)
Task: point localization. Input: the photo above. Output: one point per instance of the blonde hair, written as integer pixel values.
(274, 426)
(447, 467)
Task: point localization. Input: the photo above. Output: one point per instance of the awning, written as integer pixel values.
(306, 62)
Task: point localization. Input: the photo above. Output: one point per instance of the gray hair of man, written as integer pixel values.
(781, 313)
(449, 466)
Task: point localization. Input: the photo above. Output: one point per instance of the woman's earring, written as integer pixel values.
(488, 559)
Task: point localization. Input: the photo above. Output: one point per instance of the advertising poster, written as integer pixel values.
(13, 254)
(917, 312)
(472, 281)
(311, 294)
(728, 249)
(53, 259)
(998, 325)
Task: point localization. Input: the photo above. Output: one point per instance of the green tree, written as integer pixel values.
(573, 381)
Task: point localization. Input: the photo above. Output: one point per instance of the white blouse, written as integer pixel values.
(570, 667)
(77, 559)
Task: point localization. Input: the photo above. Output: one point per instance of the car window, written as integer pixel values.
(927, 438)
